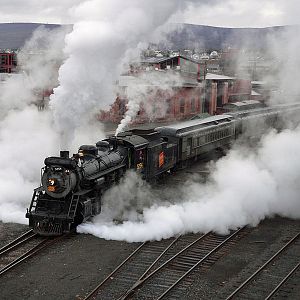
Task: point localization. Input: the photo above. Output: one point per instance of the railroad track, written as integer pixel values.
(22, 248)
(159, 270)
(277, 276)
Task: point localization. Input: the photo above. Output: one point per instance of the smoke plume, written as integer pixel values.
(244, 187)
(146, 92)
(105, 35)
(26, 134)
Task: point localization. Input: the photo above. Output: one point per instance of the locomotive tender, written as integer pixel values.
(71, 187)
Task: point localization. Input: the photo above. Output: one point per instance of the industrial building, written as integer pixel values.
(8, 62)
(182, 89)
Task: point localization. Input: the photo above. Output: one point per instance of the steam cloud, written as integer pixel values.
(147, 86)
(243, 188)
(105, 36)
(27, 135)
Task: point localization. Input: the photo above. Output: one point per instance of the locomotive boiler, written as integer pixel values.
(71, 188)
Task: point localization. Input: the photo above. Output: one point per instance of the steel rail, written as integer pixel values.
(262, 267)
(140, 282)
(94, 291)
(130, 291)
(15, 241)
(18, 243)
(159, 257)
(282, 282)
(199, 262)
(43, 244)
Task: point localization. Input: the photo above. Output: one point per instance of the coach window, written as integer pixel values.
(182, 104)
(195, 142)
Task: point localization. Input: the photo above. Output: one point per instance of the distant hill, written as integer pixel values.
(14, 35)
(191, 36)
(182, 36)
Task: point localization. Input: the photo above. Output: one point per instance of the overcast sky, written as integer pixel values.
(225, 13)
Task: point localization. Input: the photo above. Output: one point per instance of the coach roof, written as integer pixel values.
(190, 125)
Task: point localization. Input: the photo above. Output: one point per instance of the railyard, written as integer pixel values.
(183, 117)
(80, 266)
(73, 267)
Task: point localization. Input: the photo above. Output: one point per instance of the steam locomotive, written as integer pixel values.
(72, 187)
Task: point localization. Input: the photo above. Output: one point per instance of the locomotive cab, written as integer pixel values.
(150, 154)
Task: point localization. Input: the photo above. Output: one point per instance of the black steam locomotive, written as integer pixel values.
(72, 187)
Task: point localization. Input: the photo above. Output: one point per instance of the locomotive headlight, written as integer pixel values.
(51, 185)
(51, 181)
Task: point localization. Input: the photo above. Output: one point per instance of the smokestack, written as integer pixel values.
(64, 154)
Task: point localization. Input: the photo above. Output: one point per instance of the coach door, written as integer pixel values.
(189, 143)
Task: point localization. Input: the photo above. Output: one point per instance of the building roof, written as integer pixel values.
(154, 60)
(258, 82)
(243, 103)
(210, 76)
(158, 78)
(132, 139)
(253, 93)
(157, 60)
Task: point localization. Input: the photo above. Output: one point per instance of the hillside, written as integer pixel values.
(207, 37)
(14, 35)
(182, 36)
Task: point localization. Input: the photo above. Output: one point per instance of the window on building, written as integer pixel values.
(169, 106)
(154, 108)
(182, 105)
(122, 107)
(193, 105)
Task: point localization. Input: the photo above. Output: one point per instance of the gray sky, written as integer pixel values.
(226, 13)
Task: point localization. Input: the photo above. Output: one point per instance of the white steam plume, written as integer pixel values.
(26, 138)
(244, 187)
(38, 64)
(105, 33)
(149, 86)
(284, 49)
(26, 134)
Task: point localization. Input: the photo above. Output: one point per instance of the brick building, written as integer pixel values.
(8, 62)
(176, 99)
(171, 87)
